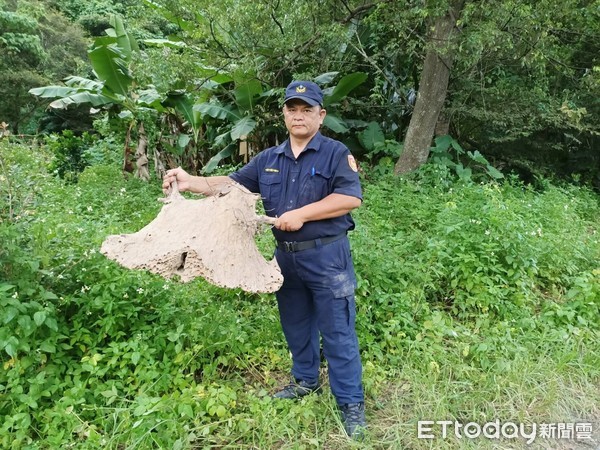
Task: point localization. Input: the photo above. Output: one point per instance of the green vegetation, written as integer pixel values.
(205, 80)
(477, 301)
(478, 274)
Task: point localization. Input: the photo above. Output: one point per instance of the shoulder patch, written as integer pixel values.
(352, 163)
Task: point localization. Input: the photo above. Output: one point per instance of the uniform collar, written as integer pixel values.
(313, 144)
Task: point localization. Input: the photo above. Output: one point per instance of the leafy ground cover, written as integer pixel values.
(477, 302)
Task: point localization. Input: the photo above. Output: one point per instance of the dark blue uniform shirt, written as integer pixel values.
(286, 183)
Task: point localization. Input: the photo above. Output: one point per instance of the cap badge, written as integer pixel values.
(301, 89)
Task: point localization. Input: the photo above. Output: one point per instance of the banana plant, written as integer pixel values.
(238, 110)
(233, 113)
(113, 86)
(335, 94)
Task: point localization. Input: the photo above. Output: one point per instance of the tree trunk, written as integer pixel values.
(141, 159)
(432, 91)
(127, 152)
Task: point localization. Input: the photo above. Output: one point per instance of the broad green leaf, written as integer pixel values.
(124, 41)
(213, 76)
(216, 111)
(39, 317)
(463, 172)
(48, 347)
(246, 92)
(184, 105)
(125, 114)
(109, 64)
(53, 91)
(371, 135)
(221, 411)
(49, 295)
(215, 160)
(51, 323)
(84, 83)
(344, 87)
(456, 146)
(112, 392)
(79, 98)
(477, 157)
(135, 357)
(11, 346)
(183, 140)
(243, 127)
(185, 410)
(444, 161)
(326, 78)
(27, 325)
(10, 313)
(222, 140)
(494, 173)
(220, 78)
(6, 287)
(335, 123)
(443, 142)
(150, 97)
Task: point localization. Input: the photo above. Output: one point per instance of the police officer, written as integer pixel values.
(310, 184)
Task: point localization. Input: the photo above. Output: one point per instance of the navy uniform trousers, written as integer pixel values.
(317, 297)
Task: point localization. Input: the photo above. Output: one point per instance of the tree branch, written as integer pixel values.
(212, 33)
(361, 9)
(275, 18)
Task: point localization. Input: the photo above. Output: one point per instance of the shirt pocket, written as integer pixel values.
(270, 191)
(315, 188)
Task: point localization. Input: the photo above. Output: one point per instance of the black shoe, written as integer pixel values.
(297, 389)
(353, 416)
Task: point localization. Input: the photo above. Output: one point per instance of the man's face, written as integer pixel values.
(302, 120)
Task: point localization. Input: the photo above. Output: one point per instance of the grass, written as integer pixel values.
(454, 323)
(554, 388)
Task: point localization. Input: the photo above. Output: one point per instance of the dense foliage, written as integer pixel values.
(478, 275)
(523, 88)
(475, 282)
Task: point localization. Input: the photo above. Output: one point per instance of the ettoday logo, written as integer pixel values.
(442, 429)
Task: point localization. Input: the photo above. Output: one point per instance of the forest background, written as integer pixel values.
(477, 252)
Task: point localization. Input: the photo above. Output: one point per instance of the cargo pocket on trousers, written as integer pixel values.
(345, 314)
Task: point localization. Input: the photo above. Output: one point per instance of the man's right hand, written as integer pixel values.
(181, 176)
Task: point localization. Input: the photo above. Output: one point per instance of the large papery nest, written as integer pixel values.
(212, 237)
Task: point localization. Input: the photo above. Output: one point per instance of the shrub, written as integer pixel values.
(69, 153)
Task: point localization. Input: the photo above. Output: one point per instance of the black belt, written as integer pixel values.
(295, 246)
